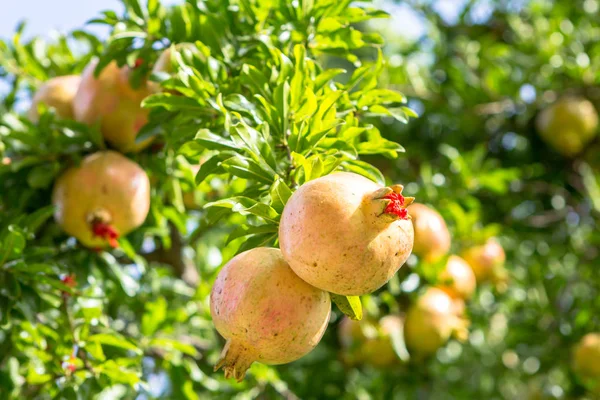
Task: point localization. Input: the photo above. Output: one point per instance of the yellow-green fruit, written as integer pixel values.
(586, 361)
(265, 312)
(568, 125)
(109, 100)
(106, 196)
(432, 320)
(57, 93)
(432, 238)
(367, 342)
(457, 279)
(484, 259)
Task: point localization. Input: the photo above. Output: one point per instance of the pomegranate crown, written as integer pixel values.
(393, 202)
(107, 232)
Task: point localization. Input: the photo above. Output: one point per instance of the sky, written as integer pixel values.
(45, 16)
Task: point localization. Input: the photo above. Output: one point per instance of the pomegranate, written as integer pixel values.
(432, 238)
(106, 196)
(57, 93)
(568, 125)
(110, 101)
(585, 361)
(367, 342)
(457, 279)
(432, 320)
(265, 312)
(345, 234)
(484, 259)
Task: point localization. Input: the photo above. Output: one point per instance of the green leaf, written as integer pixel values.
(208, 140)
(154, 315)
(349, 305)
(246, 206)
(171, 344)
(212, 166)
(326, 76)
(246, 169)
(378, 96)
(118, 374)
(129, 285)
(12, 244)
(280, 193)
(242, 231)
(42, 176)
(36, 219)
(364, 169)
(115, 340)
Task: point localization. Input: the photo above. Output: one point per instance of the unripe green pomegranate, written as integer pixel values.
(57, 93)
(265, 312)
(457, 279)
(586, 361)
(432, 237)
(484, 259)
(105, 197)
(110, 101)
(368, 342)
(345, 234)
(568, 125)
(432, 320)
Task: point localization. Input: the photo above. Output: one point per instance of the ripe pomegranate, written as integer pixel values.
(457, 279)
(432, 238)
(585, 361)
(110, 101)
(345, 234)
(432, 320)
(484, 259)
(106, 196)
(265, 312)
(57, 93)
(568, 125)
(367, 342)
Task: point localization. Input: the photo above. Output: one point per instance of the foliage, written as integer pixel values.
(273, 94)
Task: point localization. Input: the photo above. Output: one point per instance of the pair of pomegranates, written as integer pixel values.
(107, 195)
(341, 233)
(108, 100)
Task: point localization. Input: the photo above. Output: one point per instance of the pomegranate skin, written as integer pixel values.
(110, 101)
(432, 237)
(458, 279)
(107, 188)
(585, 361)
(265, 312)
(57, 93)
(336, 234)
(484, 259)
(432, 320)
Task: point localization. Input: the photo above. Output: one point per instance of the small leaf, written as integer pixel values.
(115, 340)
(349, 305)
(43, 175)
(280, 193)
(154, 315)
